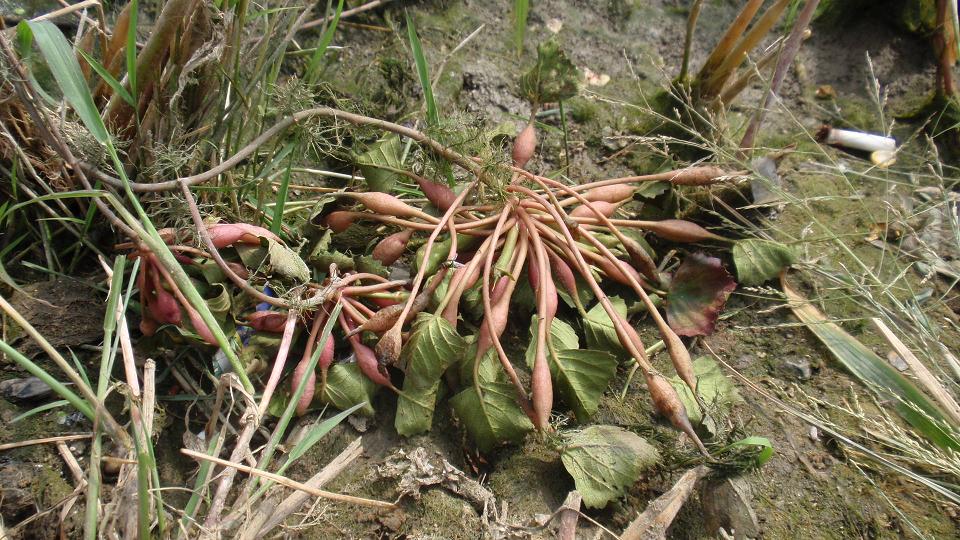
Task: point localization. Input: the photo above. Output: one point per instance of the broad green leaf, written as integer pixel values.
(581, 376)
(759, 448)
(604, 461)
(66, 70)
(599, 330)
(489, 369)
(876, 373)
(562, 335)
(348, 386)
(278, 402)
(380, 162)
(652, 190)
(433, 347)
(441, 291)
(322, 258)
(492, 418)
(758, 261)
(368, 264)
(715, 388)
(552, 78)
(698, 291)
(285, 262)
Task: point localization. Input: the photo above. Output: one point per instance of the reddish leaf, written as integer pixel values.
(699, 289)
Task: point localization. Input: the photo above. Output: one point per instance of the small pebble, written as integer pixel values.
(799, 367)
(897, 361)
(26, 389)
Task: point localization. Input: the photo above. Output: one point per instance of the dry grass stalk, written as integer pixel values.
(283, 480)
(45, 440)
(929, 382)
(270, 513)
(654, 521)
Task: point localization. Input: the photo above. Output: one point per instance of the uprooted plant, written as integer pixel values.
(229, 284)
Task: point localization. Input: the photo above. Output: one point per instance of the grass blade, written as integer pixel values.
(423, 72)
(131, 50)
(307, 443)
(111, 81)
(287, 415)
(313, 69)
(909, 402)
(315, 435)
(59, 388)
(276, 224)
(37, 410)
(106, 362)
(521, 9)
(66, 70)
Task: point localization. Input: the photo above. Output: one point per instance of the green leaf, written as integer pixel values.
(368, 264)
(600, 331)
(220, 304)
(715, 388)
(315, 434)
(111, 81)
(66, 70)
(489, 369)
(433, 347)
(285, 262)
(131, 53)
(581, 376)
(562, 336)
(652, 190)
(423, 73)
(521, 8)
(758, 261)
(433, 116)
(759, 448)
(348, 386)
(376, 163)
(492, 418)
(276, 222)
(698, 291)
(876, 373)
(604, 461)
(553, 78)
(36, 410)
(313, 69)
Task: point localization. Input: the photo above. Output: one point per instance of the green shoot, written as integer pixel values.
(131, 50)
(521, 9)
(37, 410)
(423, 73)
(313, 69)
(106, 362)
(276, 224)
(111, 81)
(287, 415)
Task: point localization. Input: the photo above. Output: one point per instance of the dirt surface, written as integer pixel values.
(811, 488)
